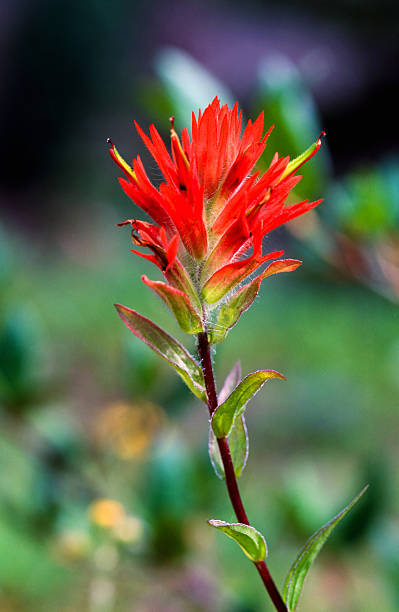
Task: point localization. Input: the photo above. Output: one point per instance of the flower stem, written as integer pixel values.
(231, 480)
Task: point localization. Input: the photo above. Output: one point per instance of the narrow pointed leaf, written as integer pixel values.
(239, 448)
(179, 304)
(167, 347)
(250, 540)
(297, 574)
(225, 414)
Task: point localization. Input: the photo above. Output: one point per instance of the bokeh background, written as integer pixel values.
(105, 482)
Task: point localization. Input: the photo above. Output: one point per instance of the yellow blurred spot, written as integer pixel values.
(128, 429)
(106, 512)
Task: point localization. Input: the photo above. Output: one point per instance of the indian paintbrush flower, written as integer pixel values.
(210, 216)
(213, 210)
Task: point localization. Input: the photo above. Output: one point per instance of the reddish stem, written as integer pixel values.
(231, 480)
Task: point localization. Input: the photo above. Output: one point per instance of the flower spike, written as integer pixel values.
(212, 210)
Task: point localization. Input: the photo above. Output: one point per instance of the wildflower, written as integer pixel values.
(213, 210)
(210, 216)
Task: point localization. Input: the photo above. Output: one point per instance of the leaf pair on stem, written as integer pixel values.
(252, 542)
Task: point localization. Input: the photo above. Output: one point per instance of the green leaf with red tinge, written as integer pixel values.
(238, 438)
(231, 311)
(249, 539)
(281, 265)
(225, 414)
(229, 276)
(167, 347)
(297, 574)
(178, 302)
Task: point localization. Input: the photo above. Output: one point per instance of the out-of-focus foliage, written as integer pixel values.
(366, 203)
(188, 85)
(287, 102)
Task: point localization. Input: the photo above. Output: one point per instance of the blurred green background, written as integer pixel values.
(105, 483)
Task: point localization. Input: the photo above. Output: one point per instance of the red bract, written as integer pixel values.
(212, 211)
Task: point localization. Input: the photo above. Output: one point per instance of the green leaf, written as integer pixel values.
(250, 540)
(167, 347)
(178, 302)
(214, 455)
(238, 437)
(239, 448)
(231, 311)
(225, 414)
(297, 574)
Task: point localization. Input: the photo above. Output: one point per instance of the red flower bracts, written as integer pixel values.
(212, 211)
